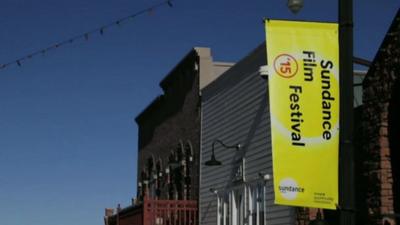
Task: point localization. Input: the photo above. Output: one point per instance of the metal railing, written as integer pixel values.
(170, 212)
(156, 212)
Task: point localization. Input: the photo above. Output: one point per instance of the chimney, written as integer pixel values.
(109, 212)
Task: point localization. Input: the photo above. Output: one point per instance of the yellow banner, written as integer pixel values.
(303, 62)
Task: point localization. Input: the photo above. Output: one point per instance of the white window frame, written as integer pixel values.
(231, 210)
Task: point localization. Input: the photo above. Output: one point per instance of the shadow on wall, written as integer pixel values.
(258, 120)
(394, 144)
(207, 210)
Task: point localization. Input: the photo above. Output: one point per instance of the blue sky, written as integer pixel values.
(68, 141)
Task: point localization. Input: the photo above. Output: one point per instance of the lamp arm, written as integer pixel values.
(237, 146)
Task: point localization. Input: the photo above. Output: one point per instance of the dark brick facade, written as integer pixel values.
(377, 141)
(379, 185)
(169, 141)
(169, 131)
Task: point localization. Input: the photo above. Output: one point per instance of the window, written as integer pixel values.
(223, 216)
(257, 205)
(261, 204)
(242, 206)
(252, 206)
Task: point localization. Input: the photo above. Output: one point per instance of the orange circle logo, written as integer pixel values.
(286, 65)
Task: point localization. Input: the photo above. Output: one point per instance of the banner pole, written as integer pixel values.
(346, 149)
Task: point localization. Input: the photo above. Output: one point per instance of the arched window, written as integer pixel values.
(170, 174)
(142, 185)
(159, 181)
(180, 171)
(189, 151)
(150, 164)
(149, 184)
(180, 151)
(188, 170)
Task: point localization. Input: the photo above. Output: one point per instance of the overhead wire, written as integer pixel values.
(85, 35)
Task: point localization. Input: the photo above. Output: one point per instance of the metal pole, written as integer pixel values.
(346, 149)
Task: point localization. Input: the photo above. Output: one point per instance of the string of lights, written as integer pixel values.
(85, 36)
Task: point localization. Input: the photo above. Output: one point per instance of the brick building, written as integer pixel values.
(169, 130)
(377, 140)
(168, 146)
(379, 187)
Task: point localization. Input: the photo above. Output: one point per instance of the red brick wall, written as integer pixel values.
(374, 160)
(375, 146)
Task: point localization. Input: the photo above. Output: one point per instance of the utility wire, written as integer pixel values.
(99, 30)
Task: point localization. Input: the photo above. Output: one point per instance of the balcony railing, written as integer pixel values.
(157, 212)
(170, 212)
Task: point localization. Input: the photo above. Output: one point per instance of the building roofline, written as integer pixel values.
(200, 52)
(171, 72)
(156, 101)
(196, 52)
(388, 37)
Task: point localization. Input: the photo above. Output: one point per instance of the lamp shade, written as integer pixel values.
(295, 5)
(213, 161)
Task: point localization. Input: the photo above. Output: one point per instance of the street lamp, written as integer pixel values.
(346, 151)
(213, 161)
(295, 5)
